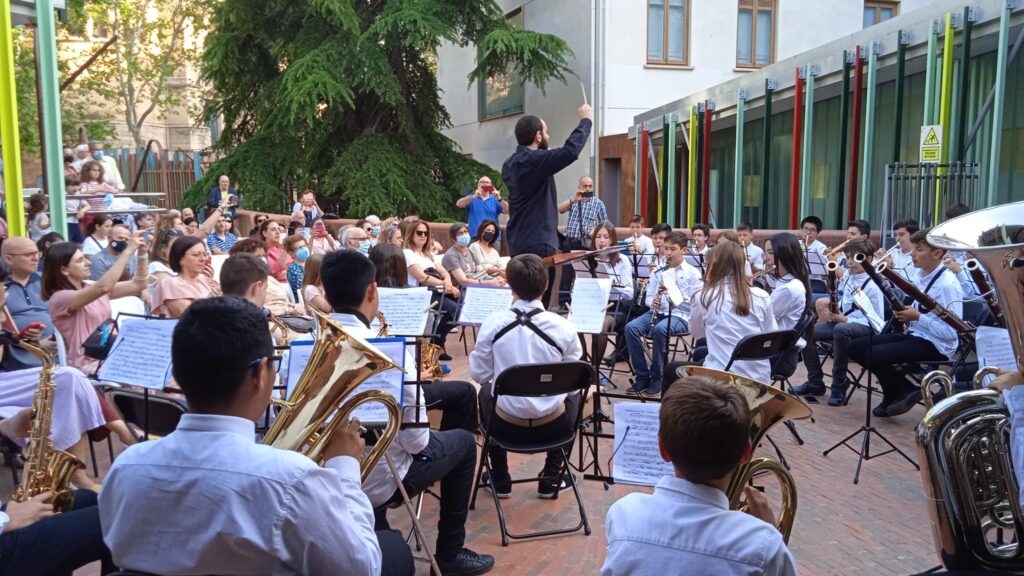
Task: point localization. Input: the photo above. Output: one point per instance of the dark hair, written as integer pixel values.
(865, 247)
(97, 221)
(47, 239)
(178, 250)
(346, 274)
(163, 238)
(389, 260)
(188, 220)
(483, 226)
(290, 243)
(527, 128)
(248, 246)
(957, 210)
(813, 221)
(705, 427)
(910, 225)
(88, 166)
(36, 204)
(677, 238)
(862, 225)
(72, 180)
(527, 276)
(210, 368)
(608, 227)
(241, 271)
(4, 272)
(453, 230)
(788, 252)
(703, 228)
(636, 219)
(921, 237)
(745, 226)
(659, 228)
(58, 256)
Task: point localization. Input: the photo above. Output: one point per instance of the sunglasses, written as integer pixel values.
(422, 232)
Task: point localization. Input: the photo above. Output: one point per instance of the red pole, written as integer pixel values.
(794, 180)
(645, 154)
(858, 86)
(705, 180)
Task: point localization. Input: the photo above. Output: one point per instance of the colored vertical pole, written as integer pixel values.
(929, 76)
(958, 152)
(669, 181)
(197, 166)
(699, 147)
(794, 177)
(706, 177)
(946, 94)
(805, 162)
(869, 133)
(9, 127)
(53, 163)
(691, 176)
(644, 177)
(766, 150)
(997, 106)
(844, 127)
(737, 202)
(637, 163)
(858, 89)
(901, 62)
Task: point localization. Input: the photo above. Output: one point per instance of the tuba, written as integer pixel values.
(968, 476)
(46, 468)
(324, 396)
(768, 406)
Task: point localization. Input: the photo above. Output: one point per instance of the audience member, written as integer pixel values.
(102, 261)
(296, 247)
(174, 294)
(484, 251)
(38, 218)
(277, 256)
(459, 263)
(221, 240)
(322, 242)
(313, 286)
(99, 235)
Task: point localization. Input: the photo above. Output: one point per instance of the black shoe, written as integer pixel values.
(445, 357)
(808, 389)
(882, 411)
(652, 392)
(548, 489)
(466, 563)
(636, 389)
(613, 359)
(903, 404)
(502, 485)
(838, 398)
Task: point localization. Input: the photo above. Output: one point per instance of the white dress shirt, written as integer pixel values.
(689, 281)
(522, 346)
(755, 255)
(724, 328)
(848, 286)
(1014, 398)
(622, 273)
(789, 300)
(903, 262)
(380, 485)
(947, 292)
(111, 174)
(817, 246)
(967, 284)
(683, 524)
(644, 245)
(207, 499)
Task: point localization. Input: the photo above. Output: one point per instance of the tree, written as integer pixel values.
(341, 96)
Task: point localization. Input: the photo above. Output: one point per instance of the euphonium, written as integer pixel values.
(968, 476)
(768, 407)
(46, 468)
(323, 396)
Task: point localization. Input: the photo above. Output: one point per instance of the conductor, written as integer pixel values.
(533, 199)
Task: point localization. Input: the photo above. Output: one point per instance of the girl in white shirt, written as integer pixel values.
(617, 267)
(99, 235)
(791, 297)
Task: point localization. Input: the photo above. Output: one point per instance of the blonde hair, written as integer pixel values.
(726, 266)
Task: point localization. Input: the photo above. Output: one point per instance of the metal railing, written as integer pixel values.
(924, 192)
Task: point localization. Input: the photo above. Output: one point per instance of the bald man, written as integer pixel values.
(24, 303)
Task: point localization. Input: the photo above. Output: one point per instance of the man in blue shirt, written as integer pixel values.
(485, 203)
(223, 188)
(24, 303)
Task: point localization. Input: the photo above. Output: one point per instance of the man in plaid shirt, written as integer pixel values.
(586, 211)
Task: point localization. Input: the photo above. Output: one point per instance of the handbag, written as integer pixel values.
(432, 272)
(99, 343)
(300, 324)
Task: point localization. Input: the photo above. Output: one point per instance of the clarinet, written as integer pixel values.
(928, 304)
(895, 300)
(978, 275)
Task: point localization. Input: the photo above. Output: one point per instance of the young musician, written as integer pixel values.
(525, 334)
(858, 230)
(274, 511)
(753, 253)
(700, 233)
(422, 456)
(956, 260)
(615, 266)
(842, 327)
(659, 232)
(810, 227)
(665, 316)
(927, 336)
(640, 244)
(902, 260)
(791, 297)
(686, 522)
(727, 309)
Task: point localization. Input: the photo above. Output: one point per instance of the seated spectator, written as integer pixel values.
(420, 262)
(38, 218)
(221, 240)
(174, 294)
(389, 260)
(25, 304)
(187, 213)
(312, 285)
(483, 250)
(257, 220)
(356, 238)
(160, 266)
(459, 263)
(190, 224)
(277, 292)
(322, 242)
(98, 236)
(705, 434)
(103, 260)
(296, 247)
(393, 236)
(375, 228)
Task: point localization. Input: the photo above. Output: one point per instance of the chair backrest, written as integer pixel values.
(803, 325)
(976, 311)
(62, 349)
(762, 346)
(539, 380)
(163, 415)
(127, 305)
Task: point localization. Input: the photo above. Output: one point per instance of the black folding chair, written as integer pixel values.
(536, 381)
(154, 413)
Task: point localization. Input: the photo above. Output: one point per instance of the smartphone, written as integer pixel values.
(487, 188)
(32, 326)
(588, 194)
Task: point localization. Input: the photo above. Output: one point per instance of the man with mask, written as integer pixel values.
(69, 162)
(529, 174)
(459, 263)
(356, 238)
(104, 259)
(111, 174)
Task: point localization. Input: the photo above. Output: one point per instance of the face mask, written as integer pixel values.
(119, 245)
(488, 237)
(302, 253)
(69, 159)
(364, 246)
(462, 239)
(97, 154)
(375, 230)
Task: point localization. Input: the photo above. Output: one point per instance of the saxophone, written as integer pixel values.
(430, 354)
(46, 468)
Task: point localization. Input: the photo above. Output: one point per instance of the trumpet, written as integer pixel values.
(833, 252)
(886, 255)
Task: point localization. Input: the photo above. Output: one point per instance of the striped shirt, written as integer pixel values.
(214, 241)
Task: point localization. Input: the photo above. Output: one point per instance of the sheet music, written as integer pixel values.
(298, 357)
(389, 381)
(479, 302)
(994, 349)
(863, 303)
(589, 303)
(405, 310)
(141, 355)
(637, 459)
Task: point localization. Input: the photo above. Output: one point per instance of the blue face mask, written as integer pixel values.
(375, 230)
(364, 246)
(302, 253)
(462, 239)
(98, 154)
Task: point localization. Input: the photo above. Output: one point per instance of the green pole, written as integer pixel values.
(9, 127)
(929, 76)
(766, 151)
(737, 204)
(638, 169)
(691, 166)
(997, 107)
(53, 163)
(669, 185)
(805, 162)
(866, 179)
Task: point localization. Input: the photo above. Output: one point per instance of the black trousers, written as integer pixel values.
(396, 557)
(499, 457)
(542, 250)
(59, 544)
(568, 274)
(880, 355)
(450, 308)
(457, 399)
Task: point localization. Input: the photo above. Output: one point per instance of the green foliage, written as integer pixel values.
(341, 96)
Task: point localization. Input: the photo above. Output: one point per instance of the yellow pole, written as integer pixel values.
(945, 106)
(9, 127)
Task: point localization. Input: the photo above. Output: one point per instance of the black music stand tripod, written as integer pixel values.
(867, 429)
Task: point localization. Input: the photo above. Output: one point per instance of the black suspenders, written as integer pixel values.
(524, 319)
(854, 306)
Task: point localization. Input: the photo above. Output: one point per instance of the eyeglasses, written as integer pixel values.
(29, 254)
(275, 364)
(422, 232)
(809, 230)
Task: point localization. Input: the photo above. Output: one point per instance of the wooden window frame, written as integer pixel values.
(685, 61)
(753, 6)
(877, 5)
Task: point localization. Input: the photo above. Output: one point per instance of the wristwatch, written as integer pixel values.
(4, 521)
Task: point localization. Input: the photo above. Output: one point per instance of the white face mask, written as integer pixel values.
(364, 246)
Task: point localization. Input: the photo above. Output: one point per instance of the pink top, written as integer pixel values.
(323, 245)
(95, 188)
(76, 325)
(177, 288)
(278, 260)
(310, 291)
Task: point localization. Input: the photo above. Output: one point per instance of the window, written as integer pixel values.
(503, 94)
(876, 11)
(668, 36)
(755, 35)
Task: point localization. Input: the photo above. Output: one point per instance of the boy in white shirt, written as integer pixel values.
(704, 432)
(810, 227)
(754, 253)
(640, 244)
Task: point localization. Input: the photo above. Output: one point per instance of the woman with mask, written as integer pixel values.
(322, 241)
(375, 228)
(459, 262)
(483, 250)
(296, 247)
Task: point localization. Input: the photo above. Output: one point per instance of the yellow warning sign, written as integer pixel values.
(931, 143)
(931, 139)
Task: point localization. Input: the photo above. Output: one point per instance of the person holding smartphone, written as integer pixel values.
(485, 203)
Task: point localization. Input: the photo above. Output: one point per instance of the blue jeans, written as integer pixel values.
(649, 377)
